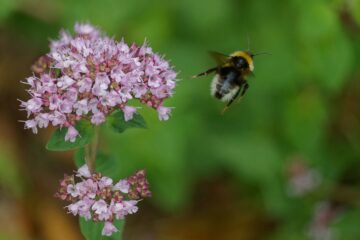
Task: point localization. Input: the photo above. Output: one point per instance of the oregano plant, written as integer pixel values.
(86, 80)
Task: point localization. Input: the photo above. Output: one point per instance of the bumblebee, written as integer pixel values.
(229, 81)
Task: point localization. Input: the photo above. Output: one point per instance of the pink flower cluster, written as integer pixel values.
(96, 197)
(89, 75)
(324, 214)
(302, 179)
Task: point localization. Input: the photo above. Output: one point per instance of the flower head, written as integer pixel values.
(301, 178)
(96, 198)
(109, 229)
(323, 215)
(88, 75)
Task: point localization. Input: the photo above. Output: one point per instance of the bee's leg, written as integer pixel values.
(245, 88)
(231, 101)
(205, 73)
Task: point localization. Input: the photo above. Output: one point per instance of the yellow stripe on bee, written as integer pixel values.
(246, 56)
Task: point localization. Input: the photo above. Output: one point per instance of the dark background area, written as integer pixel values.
(284, 164)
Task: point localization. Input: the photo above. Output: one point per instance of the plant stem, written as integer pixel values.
(91, 151)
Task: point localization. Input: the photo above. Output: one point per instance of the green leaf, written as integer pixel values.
(346, 225)
(118, 123)
(92, 230)
(6, 8)
(57, 141)
(305, 121)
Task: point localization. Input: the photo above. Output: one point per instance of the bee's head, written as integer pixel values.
(243, 60)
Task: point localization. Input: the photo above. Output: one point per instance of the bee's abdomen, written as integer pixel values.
(223, 89)
(218, 95)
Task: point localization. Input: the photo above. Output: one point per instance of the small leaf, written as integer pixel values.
(92, 230)
(119, 224)
(57, 141)
(118, 123)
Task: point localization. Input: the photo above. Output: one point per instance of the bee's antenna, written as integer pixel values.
(262, 53)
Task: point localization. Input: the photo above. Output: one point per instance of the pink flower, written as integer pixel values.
(71, 134)
(73, 208)
(105, 182)
(33, 105)
(84, 171)
(325, 213)
(130, 206)
(42, 120)
(100, 207)
(31, 124)
(119, 210)
(122, 186)
(164, 113)
(54, 101)
(64, 82)
(95, 75)
(81, 107)
(128, 112)
(66, 106)
(86, 29)
(94, 197)
(108, 229)
(57, 118)
(84, 207)
(302, 179)
(85, 85)
(98, 118)
(72, 190)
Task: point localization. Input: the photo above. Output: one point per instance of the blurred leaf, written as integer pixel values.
(10, 177)
(6, 7)
(347, 225)
(159, 19)
(304, 121)
(257, 160)
(119, 15)
(118, 123)
(201, 17)
(92, 230)
(324, 52)
(354, 8)
(57, 141)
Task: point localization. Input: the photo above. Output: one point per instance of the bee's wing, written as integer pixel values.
(220, 58)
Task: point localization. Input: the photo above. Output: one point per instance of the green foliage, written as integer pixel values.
(6, 7)
(117, 121)
(92, 230)
(347, 225)
(10, 177)
(305, 118)
(57, 141)
(354, 8)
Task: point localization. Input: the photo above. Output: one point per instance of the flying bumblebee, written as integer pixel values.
(229, 81)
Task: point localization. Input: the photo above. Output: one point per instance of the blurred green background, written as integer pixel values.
(284, 164)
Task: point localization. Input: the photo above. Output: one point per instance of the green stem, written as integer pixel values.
(91, 151)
